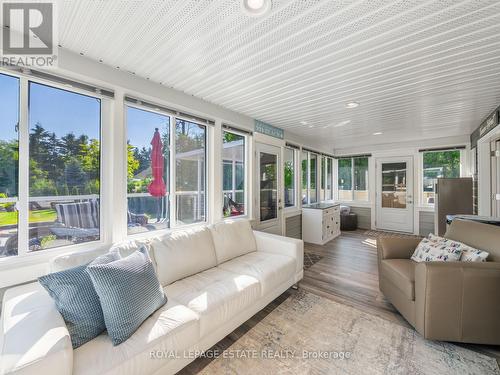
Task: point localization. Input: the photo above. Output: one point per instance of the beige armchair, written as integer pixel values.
(449, 301)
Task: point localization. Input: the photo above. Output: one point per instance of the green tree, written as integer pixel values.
(75, 176)
(132, 162)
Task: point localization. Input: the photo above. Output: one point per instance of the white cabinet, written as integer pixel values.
(320, 222)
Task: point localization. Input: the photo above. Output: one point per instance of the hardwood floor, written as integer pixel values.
(344, 270)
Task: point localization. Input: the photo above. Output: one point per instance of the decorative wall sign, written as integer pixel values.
(489, 124)
(267, 129)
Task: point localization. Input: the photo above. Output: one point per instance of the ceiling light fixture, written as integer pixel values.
(352, 105)
(256, 8)
(377, 133)
(303, 123)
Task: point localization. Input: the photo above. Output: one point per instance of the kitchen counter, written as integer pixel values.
(321, 205)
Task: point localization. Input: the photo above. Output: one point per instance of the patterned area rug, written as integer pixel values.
(310, 259)
(309, 334)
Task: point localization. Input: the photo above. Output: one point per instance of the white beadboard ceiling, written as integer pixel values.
(419, 69)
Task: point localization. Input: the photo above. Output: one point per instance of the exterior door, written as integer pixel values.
(269, 205)
(395, 194)
(495, 178)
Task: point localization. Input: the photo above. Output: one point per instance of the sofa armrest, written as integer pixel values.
(458, 301)
(396, 248)
(272, 243)
(34, 338)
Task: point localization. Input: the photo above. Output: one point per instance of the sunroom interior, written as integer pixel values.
(169, 116)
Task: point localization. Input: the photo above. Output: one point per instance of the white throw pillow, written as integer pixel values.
(183, 253)
(233, 238)
(432, 251)
(469, 254)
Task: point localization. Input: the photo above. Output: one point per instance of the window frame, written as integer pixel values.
(172, 194)
(421, 199)
(25, 257)
(297, 182)
(246, 185)
(352, 200)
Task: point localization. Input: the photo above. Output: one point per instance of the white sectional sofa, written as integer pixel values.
(215, 278)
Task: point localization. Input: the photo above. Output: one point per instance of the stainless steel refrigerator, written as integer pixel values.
(453, 196)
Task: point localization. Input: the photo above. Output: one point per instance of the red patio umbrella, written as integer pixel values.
(157, 187)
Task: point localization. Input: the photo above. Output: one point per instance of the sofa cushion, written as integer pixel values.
(233, 238)
(172, 329)
(77, 301)
(128, 289)
(183, 253)
(215, 295)
(33, 337)
(270, 269)
(401, 273)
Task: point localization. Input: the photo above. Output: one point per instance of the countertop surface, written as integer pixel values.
(321, 205)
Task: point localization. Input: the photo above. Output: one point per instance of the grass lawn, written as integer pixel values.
(39, 216)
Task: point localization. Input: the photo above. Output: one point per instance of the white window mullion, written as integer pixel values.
(172, 195)
(352, 179)
(114, 193)
(23, 193)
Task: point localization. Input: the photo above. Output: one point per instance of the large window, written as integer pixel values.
(313, 178)
(329, 177)
(9, 164)
(310, 168)
(289, 173)
(233, 174)
(437, 164)
(61, 178)
(148, 170)
(353, 179)
(64, 167)
(345, 179)
(190, 170)
(305, 176)
(152, 184)
(322, 185)
(360, 176)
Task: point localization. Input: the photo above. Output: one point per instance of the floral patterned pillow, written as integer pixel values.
(433, 251)
(469, 254)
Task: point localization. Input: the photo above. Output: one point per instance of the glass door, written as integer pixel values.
(268, 179)
(269, 188)
(395, 194)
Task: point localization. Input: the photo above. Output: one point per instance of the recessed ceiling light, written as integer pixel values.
(342, 123)
(352, 105)
(377, 133)
(256, 7)
(303, 123)
(311, 126)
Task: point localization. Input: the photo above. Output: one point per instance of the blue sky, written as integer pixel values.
(141, 126)
(9, 107)
(62, 112)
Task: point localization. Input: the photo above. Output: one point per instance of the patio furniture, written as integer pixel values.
(79, 221)
(234, 208)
